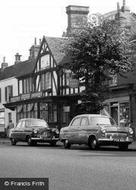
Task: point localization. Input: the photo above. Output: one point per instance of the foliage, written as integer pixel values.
(97, 52)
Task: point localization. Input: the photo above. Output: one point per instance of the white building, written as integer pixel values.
(8, 88)
(9, 85)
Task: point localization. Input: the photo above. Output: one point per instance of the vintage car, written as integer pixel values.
(96, 130)
(32, 130)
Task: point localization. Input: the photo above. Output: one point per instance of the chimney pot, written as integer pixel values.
(17, 58)
(35, 43)
(4, 64)
(34, 50)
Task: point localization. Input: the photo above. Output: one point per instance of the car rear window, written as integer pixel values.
(38, 123)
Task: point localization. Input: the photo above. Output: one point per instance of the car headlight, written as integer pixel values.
(131, 131)
(54, 130)
(57, 131)
(103, 130)
(35, 131)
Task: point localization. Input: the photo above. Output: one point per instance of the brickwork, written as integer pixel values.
(77, 17)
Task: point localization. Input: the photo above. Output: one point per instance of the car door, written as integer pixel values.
(21, 130)
(26, 129)
(73, 130)
(94, 125)
(16, 132)
(83, 130)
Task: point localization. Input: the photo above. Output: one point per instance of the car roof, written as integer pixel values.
(31, 119)
(92, 115)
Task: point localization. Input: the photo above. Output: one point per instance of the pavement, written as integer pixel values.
(7, 141)
(4, 141)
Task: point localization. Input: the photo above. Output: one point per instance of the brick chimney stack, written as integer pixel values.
(17, 58)
(34, 50)
(77, 17)
(125, 8)
(4, 64)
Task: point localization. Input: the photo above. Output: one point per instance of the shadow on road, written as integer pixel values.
(108, 152)
(102, 151)
(39, 145)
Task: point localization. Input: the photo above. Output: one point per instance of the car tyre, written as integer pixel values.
(53, 143)
(93, 143)
(29, 141)
(13, 141)
(34, 143)
(123, 147)
(67, 145)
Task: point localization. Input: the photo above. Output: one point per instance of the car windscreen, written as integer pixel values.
(38, 123)
(102, 121)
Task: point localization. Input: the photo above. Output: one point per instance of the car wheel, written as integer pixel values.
(53, 143)
(123, 147)
(29, 141)
(93, 143)
(34, 143)
(13, 141)
(67, 145)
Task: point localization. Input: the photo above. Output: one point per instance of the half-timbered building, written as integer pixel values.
(47, 91)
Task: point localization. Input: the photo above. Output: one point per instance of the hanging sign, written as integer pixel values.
(15, 99)
(25, 96)
(36, 95)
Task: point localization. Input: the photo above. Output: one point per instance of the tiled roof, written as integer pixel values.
(24, 68)
(17, 70)
(57, 45)
(7, 72)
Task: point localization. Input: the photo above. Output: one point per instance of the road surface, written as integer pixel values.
(76, 169)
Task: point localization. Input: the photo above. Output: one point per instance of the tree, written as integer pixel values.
(97, 52)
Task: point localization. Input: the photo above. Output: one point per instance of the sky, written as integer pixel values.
(23, 20)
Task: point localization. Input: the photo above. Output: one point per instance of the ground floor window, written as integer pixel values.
(52, 112)
(56, 114)
(120, 111)
(124, 113)
(9, 117)
(27, 111)
(48, 111)
(66, 114)
(2, 120)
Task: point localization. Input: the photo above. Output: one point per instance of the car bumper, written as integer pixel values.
(115, 141)
(44, 139)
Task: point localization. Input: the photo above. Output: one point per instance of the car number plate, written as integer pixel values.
(120, 139)
(44, 136)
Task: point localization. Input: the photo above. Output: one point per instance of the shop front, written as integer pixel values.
(119, 109)
(56, 110)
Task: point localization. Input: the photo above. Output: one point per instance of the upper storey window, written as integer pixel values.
(113, 81)
(45, 61)
(8, 92)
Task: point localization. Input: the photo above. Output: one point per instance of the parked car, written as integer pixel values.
(32, 131)
(95, 130)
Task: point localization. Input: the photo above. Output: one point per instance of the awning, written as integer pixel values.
(11, 107)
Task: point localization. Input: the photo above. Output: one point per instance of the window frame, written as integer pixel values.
(87, 120)
(74, 121)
